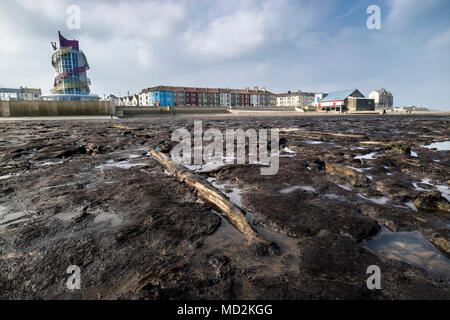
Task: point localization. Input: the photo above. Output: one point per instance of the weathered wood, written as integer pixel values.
(309, 132)
(209, 194)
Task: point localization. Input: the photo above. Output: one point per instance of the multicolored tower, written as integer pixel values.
(70, 63)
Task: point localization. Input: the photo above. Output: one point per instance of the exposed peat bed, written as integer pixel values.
(351, 192)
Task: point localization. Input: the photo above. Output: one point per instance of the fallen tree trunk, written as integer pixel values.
(210, 195)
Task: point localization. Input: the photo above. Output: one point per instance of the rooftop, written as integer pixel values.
(338, 95)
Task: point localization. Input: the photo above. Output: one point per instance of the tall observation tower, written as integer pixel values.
(71, 82)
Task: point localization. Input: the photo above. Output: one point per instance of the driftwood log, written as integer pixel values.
(209, 194)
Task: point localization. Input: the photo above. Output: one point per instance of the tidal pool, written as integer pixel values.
(440, 146)
(413, 248)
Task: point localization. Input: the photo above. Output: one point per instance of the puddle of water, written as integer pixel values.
(134, 156)
(445, 190)
(50, 163)
(66, 216)
(7, 176)
(332, 196)
(7, 218)
(413, 248)
(368, 156)
(380, 201)
(59, 186)
(235, 195)
(112, 218)
(121, 165)
(360, 169)
(295, 188)
(210, 165)
(287, 150)
(314, 142)
(411, 205)
(343, 186)
(440, 146)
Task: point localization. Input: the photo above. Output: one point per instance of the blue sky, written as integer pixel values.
(320, 45)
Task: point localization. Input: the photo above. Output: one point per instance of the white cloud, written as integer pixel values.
(228, 36)
(441, 41)
(280, 44)
(405, 13)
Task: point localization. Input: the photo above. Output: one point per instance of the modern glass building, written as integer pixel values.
(71, 82)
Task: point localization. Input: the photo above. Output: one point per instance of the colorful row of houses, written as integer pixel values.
(164, 96)
(339, 101)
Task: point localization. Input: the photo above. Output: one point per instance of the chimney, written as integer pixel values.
(256, 88)
(289, 92)
(263, 89)
(246, 89)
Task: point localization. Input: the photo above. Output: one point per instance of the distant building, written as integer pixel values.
(10, 94)
(413, 108)
(30, 94)
(192, 96)
(346, 100)
(317, 97)
(126, 101)
(295, 99)
(134, 100)
(25, 94)
(383, 99)
(113, 98)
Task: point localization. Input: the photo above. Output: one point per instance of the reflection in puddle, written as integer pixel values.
(332, 196)
(346, 188)
(113, 219)
(295, 188)
(7, 219)
(368, 156)
(287, 150)
(232, 193)
(380, 201)
(413, 248)
(411, 205)
(7, 176)
(445, 190)
(440, 146)
(360, 169)
(121, 165)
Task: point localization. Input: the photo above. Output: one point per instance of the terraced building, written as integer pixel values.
(71, 82)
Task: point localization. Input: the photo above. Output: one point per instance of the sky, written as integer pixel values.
(308, 45)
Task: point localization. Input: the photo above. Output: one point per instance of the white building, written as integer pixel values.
(295, 99)
(134, 100)
(383, 99)
(225, 98)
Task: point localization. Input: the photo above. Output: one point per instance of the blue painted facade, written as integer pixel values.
(164, 97)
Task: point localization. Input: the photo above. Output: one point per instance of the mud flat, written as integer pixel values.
(351, 192)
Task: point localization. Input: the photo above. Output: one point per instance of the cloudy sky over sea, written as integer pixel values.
(282, 45)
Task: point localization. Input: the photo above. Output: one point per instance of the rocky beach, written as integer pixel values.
(351, 191)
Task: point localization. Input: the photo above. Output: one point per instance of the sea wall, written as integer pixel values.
(54, 108)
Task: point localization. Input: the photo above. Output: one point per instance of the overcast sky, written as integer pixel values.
(280, 44)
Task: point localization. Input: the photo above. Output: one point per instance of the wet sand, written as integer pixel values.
(352, 191)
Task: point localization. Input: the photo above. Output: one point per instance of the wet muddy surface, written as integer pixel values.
(350, 192)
